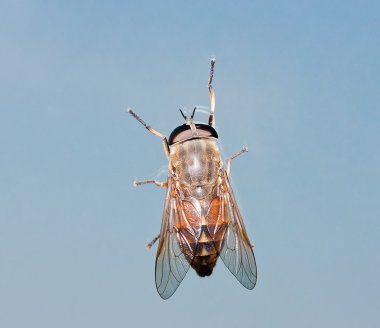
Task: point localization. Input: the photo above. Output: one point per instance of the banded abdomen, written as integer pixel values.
(201, 232)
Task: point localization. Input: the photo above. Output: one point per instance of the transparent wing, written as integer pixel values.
(236, 251)
(171, 263)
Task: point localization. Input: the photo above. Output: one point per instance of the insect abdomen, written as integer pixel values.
(205, 255)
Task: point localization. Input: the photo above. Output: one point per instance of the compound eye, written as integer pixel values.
(204, 132)
(183, 132)
(181, 136)
(180, 133)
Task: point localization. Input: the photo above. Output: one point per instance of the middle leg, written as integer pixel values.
(157, 183)
(228, 168)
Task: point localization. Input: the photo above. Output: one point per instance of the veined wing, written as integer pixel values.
(174, 250)
(236, 251)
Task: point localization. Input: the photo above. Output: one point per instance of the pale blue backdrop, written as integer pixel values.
(295, 81)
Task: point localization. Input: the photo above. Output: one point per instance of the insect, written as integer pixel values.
(201, 219)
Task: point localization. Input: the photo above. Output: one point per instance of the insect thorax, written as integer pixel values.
(196, 164)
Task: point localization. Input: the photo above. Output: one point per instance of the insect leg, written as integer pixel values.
(228, 168)
(149, 245)
(158, 184)
(151, 130)
(211, 118)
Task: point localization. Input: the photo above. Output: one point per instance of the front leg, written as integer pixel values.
(151, 130)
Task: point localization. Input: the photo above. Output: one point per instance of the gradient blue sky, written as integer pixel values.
(295, 81)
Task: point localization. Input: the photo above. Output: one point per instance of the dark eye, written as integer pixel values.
(180, 133)
(205, 130)
(183, 132)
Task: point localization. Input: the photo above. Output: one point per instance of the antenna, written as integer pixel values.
(184, 116)
(192, 115)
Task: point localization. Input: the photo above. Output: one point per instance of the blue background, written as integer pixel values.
(295, 81)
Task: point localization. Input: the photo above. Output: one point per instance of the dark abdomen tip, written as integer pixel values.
(204, 265)
(204, 271)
